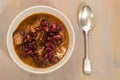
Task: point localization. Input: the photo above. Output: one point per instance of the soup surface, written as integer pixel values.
(41, 40)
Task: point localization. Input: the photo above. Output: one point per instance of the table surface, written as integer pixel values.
(104, 41)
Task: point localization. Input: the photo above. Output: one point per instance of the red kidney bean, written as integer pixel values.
(48, 43)
(44, 23)
(53, 47)
(60, 27)
(48, 49)
(47, 29)
(33, 43)
(57, 37)
(51, 52)
(50, 38)
(23, 33)
(30, 52)
(50, 57)
(46, 56)
(36, 57)
(55, 59)
(26, 49)
(54, 42)
(54, 26)
(26, 45)
(51, 34)
(29, 44)
(25, 40)
(54, 30)
(29, 38)
(35, 51)
(39, 28)
(32, 34)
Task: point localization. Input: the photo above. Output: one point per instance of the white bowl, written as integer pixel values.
(20, 17)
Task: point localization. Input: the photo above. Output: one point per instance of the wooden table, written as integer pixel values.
(104, 41)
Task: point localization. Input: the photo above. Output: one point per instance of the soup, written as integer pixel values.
(41, 40)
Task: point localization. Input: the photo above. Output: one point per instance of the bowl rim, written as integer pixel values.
(20, 14)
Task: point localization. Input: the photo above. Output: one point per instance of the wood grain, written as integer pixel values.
(104, 41)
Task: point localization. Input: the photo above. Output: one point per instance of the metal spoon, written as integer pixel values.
(85, 18)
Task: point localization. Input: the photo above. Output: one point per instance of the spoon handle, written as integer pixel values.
(87, 66)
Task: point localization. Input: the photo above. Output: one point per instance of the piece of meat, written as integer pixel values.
(18, 39)
(60, 52)
(32, 28)
(63, 41)
(35, 25)
(62, 34)
(40, 50)
(38, 36)
(27, 28)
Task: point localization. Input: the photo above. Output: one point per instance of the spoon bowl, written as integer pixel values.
(85, 17)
